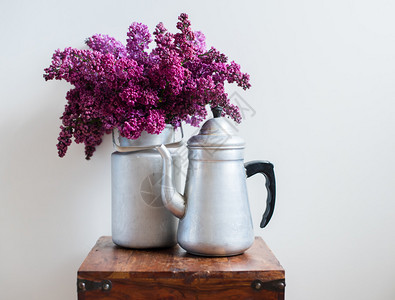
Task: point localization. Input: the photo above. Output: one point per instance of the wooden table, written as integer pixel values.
(112, 272)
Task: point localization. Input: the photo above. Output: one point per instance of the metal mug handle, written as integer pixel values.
(139, 148)
(267, 169)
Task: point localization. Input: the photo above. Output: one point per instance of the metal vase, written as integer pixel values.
(139, 218)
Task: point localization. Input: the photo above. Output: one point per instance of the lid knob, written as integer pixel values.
(217, 133)
(217, 111)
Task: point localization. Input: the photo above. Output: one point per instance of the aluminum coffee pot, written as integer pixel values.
(214, 212)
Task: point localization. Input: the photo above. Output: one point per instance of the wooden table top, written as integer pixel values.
(112, 272)
(107, 257)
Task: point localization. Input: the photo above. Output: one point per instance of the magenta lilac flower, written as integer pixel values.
(133, 90)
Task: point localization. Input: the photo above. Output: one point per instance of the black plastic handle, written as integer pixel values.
(267, 169)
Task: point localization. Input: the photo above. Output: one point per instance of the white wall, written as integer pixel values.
(323, 75)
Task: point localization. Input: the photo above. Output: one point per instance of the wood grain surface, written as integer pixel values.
(174, 274)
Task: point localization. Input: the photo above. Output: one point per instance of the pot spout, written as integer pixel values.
(171, 199)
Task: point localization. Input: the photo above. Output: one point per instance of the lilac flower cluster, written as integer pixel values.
(133, 90)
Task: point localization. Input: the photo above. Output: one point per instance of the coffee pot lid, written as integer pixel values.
(217, 132)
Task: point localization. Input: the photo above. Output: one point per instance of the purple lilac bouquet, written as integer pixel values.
(127, 88)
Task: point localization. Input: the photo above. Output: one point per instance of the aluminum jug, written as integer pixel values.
(214, 212)
(139, 219)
